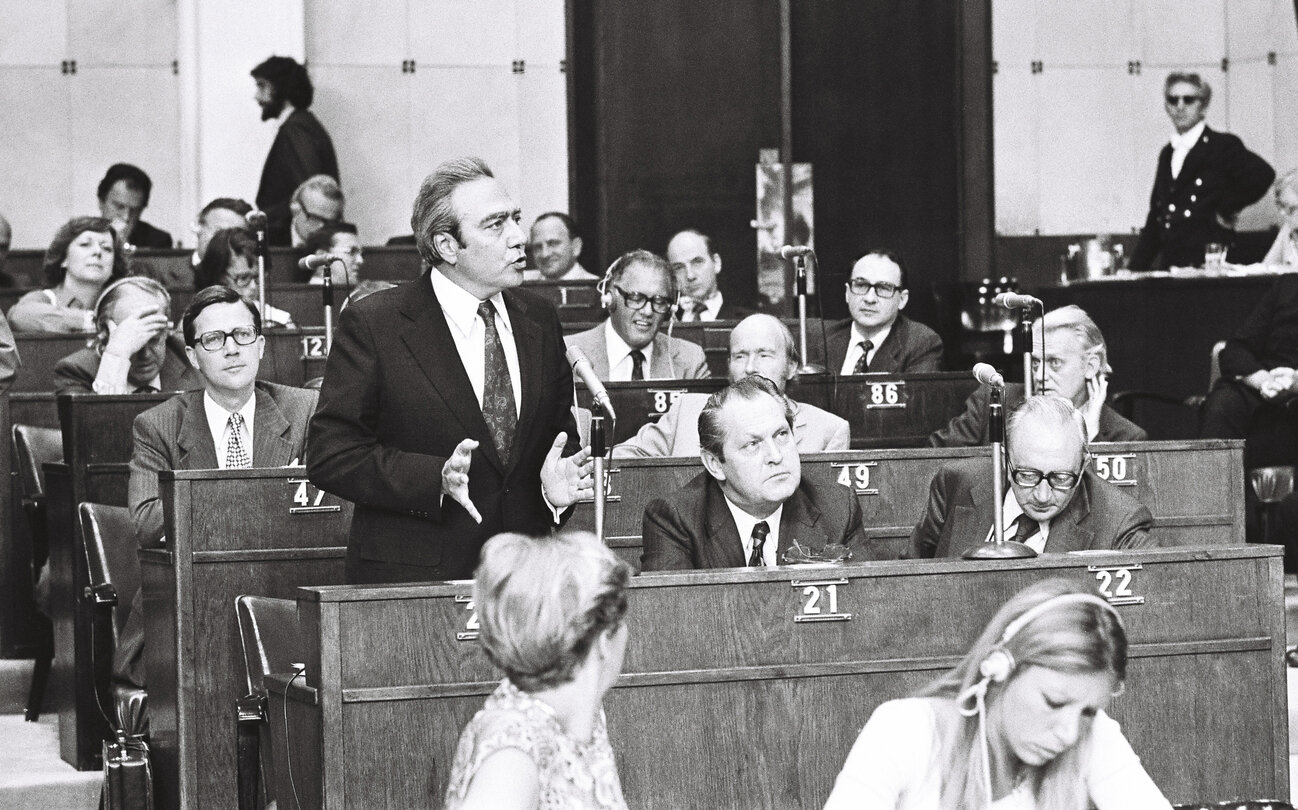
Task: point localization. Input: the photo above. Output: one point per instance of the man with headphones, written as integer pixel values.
(1054, 502)
(639, 292)
(134, 350)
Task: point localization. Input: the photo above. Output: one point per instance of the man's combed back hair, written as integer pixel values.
(136, 180)
(885, 253)
(568, 222)
(238, 206)
(1052, 412)
(1075, 319)
(712, 435)
(290, 80)
(433, 212)
(543, 601)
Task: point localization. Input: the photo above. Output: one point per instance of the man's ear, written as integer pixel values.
(447, 247)
(1093, 367)
(904, 295)
(713, 465)
(576, 246)
(716, 259)
(191, 355)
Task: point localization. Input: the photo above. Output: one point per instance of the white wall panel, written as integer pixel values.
(464, 32)
(356, 33)
(123, 32)
(466, 111)
(1093, 33)
(1174, 32)
(1016, 158)
(542, 141)
(36, 184)
(33, 33)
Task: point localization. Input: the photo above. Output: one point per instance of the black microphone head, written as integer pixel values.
(256, 219)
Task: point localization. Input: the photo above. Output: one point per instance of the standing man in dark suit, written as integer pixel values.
(696, 265)
(878, 337)
(1076, 368)
(446, 401)
(1204, 179)
(302, 147)
(234, 421)
(1055, 503)
(751, 502)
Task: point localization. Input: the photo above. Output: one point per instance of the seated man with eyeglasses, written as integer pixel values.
(878, 337)
(639, 292)
(1054, 501)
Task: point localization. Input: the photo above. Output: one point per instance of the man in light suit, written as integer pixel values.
(751, 502)
(759, 344)
(233, 421)
(1055, 503)
(878, 338)
(639, 293)
(446, 401)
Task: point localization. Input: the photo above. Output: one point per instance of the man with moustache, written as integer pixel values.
(751, 502)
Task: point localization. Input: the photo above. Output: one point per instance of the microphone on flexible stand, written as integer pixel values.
(998, 548)
(257, 221)
(1011, 300)
(1027, 306)
(315, 262)
(582, 368)
(798, 255)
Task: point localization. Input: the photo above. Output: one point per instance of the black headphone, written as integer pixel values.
(619, 265)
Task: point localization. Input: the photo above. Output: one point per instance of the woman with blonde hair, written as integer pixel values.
(1018, 724)
(550, 615)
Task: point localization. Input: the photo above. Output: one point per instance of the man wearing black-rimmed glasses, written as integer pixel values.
(1054, 501)
(233, 421)
(639, 292)
(1204, 179)
(877, 337)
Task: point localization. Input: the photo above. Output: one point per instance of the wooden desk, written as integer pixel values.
(96, 450)
(233, 532)
(765, 708)
(884, 410)
(1187, 486)
(577, 301)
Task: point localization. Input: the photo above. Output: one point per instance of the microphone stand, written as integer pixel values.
(262, 251)
(597, 456)
(800, 273)
(1025, 341)
(328, 291)
(999, 548)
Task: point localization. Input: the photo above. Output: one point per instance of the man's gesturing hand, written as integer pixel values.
(566, 480)
(455, 477)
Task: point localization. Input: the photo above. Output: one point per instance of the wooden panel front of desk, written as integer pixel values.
(727, 700)
(1186, 485)
(233, 532)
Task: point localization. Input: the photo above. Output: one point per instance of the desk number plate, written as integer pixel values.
(1116, 582)
(818, 601)
(886, 395)
(308, 500)
(856, 477)
(663, 400)
(470, 631)
(1119, 470)
(313, 347)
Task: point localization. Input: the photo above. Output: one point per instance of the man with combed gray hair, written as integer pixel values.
(759, 344)
(1054, 501)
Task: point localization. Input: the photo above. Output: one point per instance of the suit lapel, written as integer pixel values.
(427, 337)
(271, 446)
(888, 356)
(800, 521)
(663, 366)
(196, 450)
(723, 548)
(528, 340)
(837, 349)
(970, 519)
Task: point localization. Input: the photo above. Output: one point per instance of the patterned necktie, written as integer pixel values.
(863, 365)
(497, 389)
(760, 530)
(637, 364)
(1025, 527)
(236, 454)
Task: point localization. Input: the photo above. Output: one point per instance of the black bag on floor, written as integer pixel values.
(128, 776)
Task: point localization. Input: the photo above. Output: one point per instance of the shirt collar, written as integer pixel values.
(1189, 138)
(876, 339)
(461, 307)
(745, 522)
(218, 417)
(1012, 510)
(618, 349)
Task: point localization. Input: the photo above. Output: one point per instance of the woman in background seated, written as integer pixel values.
(84, 256)
(1018, 724)
(1284, 250)
(231, 260)
(550, 615)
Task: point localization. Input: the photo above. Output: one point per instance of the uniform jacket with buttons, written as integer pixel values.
(1219, 177)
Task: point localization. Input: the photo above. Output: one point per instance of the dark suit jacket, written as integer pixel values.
(301, 149)
(395, 403)
(959, 514)
(1269, 336)
(145, 235)
(909, 348)
(75, 374)
(174, 436)
(693, 528)
(969, 429)
(1219, 177)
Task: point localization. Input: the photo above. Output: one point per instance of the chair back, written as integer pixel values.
(108, 535)
(33, 447)
(268, 631)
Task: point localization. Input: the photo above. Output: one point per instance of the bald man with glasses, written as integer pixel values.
(1054, 502)
(1204, 179)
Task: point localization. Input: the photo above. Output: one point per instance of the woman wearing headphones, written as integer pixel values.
(1019, 724)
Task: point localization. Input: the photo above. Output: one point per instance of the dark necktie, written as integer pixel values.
(497, 388)
(1025, 527)
(760, 530)
(146, 389)
(236, 453)
(863, 364)
(637, 364)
